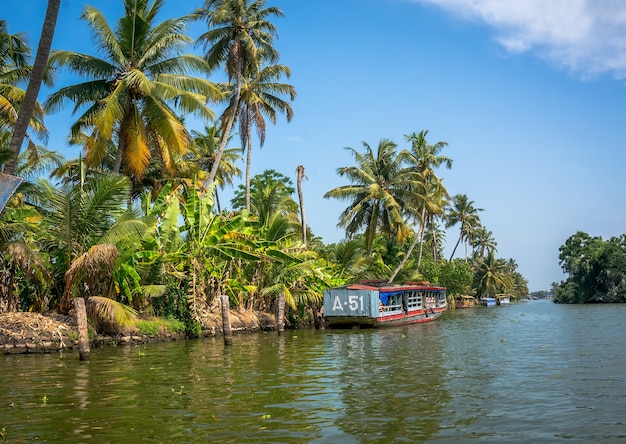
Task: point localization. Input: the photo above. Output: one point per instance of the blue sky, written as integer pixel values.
(528, 94)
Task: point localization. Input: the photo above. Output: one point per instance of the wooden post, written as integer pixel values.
(280, 317)
(83, 334)
(228, 332)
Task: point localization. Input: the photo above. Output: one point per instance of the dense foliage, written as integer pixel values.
(135, 226)
(596, 269)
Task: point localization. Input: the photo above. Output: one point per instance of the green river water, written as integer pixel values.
(530, 372)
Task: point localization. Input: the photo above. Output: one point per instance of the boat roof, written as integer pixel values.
(385, 286)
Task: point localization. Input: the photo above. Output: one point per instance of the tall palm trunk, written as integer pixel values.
(456, 246)
(422, 229)
(34, 85)
(418, 238)
(434, 241)
(226, 134)
(248, 140)
(300, 172)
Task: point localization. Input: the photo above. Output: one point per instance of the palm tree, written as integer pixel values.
(82, 224)
(239, 38)
(270, 193)
(424, 158)
(492, 275)
(131, 93)
(484, 241)
(463, 212)
(29, 104)
(379, 191)
(261, 96)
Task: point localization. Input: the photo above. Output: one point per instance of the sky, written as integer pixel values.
(528, 94)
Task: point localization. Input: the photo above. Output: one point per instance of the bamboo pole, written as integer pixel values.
(228, 331)
(83, 334)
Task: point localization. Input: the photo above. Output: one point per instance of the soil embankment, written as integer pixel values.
(51, 332)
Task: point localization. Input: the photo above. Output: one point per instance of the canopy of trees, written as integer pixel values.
(134, 225)
(596, 269)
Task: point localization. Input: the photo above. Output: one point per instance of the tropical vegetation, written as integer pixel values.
(135, 224)
(595, 268)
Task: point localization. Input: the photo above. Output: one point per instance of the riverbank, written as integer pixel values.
(53, 332)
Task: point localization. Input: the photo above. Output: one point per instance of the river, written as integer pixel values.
(531, 372)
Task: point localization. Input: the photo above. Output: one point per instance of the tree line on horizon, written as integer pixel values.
(595, 268)
(135, 224)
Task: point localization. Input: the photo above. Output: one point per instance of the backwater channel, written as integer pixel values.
(530, 372)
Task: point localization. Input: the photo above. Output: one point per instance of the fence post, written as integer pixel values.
(228, 332)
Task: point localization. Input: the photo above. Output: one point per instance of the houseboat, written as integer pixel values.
(464, 302)
(488, 301)
(503, 299)
(380, 304)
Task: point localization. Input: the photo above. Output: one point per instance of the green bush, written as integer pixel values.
(156, 327)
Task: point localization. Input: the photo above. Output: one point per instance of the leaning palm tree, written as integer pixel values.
(239, 32)
(29, 104)
(130, 96)
(463, 212)
(378, 192)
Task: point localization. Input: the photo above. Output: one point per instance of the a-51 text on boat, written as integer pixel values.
(380, 304)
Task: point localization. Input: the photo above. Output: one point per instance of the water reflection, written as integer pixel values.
(533, 372)
(390, 383)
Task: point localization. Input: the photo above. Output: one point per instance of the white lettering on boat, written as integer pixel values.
(337, 304)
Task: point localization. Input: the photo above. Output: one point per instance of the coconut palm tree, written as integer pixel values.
(463, 212)
(270, 193)
(239, 38)
(131, 94)
(424, 158)
(260, 98)
(77, 217)
(492, 275)
(378, 192)
(29, 103)
(484, 241)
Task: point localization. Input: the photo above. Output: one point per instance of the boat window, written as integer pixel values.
(394, 303)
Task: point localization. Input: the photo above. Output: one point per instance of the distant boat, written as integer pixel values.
(488, 302)
(465, 302)
(380, 304)
(503, 299)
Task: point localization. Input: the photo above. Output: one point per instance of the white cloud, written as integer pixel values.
(585, 36)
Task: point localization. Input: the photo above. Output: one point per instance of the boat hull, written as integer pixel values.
(382, 305)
